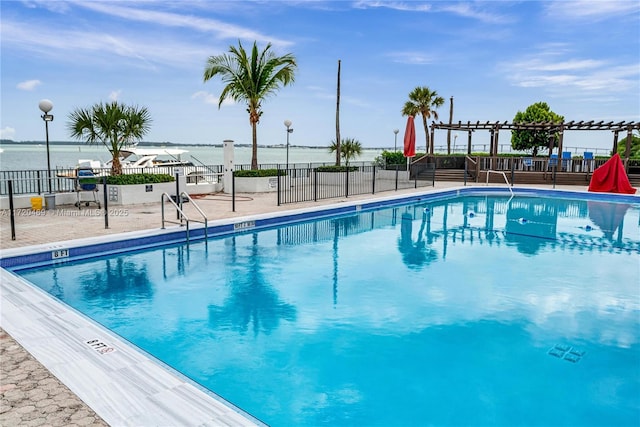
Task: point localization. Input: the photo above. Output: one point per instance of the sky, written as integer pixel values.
(494, 58)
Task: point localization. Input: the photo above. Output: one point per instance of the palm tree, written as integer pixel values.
(113, 124)
(349, 149)
(251, 80)
(423, 101)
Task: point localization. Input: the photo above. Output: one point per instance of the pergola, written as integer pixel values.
(559, 128)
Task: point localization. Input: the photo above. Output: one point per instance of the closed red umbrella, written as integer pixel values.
(410, 138)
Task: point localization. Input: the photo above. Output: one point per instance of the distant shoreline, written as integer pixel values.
(171, 144)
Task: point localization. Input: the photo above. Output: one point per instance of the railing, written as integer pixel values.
(503, 175)
(182, 217)
(308, 165)
(309, 184)
(474, 168)
(63, 179)
(461, 148)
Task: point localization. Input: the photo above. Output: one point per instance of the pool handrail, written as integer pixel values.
(182, 214)
(503, 175)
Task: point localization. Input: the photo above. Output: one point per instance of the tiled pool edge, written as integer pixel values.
(124, 386)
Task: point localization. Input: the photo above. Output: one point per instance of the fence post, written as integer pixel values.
(433, 176)
(396, 177)
(346, 190)
(315, 185)
(555, 168)
(513, 173)
(105, 199)
(465, 172)
(178, 199)
(278, 186)
(373, 190)
(39, 190)
(12, 218)
(233, 191)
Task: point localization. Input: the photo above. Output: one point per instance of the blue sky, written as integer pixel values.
(494, 58)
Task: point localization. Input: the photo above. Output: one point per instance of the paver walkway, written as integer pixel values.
(32, 396)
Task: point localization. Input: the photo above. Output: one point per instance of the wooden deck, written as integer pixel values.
(526, 177)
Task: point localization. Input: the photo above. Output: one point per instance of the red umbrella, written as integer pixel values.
(410, 138)
(611, 178)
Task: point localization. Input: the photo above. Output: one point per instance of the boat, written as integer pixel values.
(133, 157)
(150, 160)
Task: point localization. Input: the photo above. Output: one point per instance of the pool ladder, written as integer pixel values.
(504, 175)
(182, 217)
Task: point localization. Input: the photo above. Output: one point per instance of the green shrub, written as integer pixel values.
(139, 178)
(336, 168)
(256, 173)
(392, 158)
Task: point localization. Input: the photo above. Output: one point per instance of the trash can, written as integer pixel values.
(50, 201)
(36, 203)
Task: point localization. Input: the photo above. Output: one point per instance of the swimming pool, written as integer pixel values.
(472, 310)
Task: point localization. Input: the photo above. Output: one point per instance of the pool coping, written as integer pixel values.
(119, 381)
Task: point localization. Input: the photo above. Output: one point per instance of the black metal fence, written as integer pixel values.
(64, 179)
(309, 165)
(309, 184)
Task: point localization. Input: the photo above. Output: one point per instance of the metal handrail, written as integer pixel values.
(195, 205)
(503, 175)
(183, 216)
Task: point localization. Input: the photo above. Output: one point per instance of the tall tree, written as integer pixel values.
(526, 139)
(349, 148)
(113, 124)
(634, 151)
(338, 140)
(423, 101)
(251, 79)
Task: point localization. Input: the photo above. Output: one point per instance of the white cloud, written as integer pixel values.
(82, 46)
(553, 71)
(470, 10)
(415, 58)
(395, 5)
(167, 19)
(29, 84)
(591, 10)
(7, 133)
(466, 10)
(114, 95)
(208, 98)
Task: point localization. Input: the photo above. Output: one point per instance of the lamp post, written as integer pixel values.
(45, 106)
(287, 123)
(395, 139)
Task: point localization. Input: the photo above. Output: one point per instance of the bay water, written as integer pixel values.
(34, 156)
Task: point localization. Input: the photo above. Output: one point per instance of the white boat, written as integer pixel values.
(152, 157)
(153, 160)
(133, 157)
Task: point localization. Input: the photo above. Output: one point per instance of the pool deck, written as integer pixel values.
(55, 370)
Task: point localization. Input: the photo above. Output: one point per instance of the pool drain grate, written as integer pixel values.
(566, 352)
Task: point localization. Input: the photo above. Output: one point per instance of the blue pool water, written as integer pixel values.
(473, 310)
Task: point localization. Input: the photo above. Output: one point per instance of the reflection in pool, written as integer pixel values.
(466, 311)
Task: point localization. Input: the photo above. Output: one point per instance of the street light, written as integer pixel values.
(45, 106)
(395, 139)
(287, 123)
